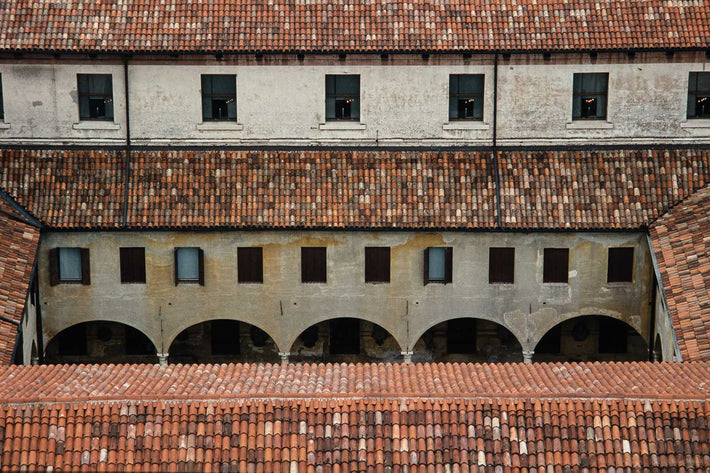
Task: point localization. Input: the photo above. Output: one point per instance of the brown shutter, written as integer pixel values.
(306, 265)
(54, 266)
(449, 265)
(370, 261)
(385, 262)
(426, 266)
(259, 265)
(85, 267)
(175, 264)
(201, 266)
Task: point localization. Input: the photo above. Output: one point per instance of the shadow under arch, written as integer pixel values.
(345, 339)
(657, 349)
(223, 341)
(100, 341)
(591, 338)
(468, 339)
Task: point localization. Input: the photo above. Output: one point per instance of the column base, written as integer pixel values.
(407, 356)
(284, 357)
(528, 356)
(162, 359)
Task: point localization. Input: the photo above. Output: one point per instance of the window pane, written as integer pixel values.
(701, 82)
(470, 84)
(620, 265)
(347, 85)
(70, 264)
(556, 265)
(437, 264)
(188, 264)
(219, 97)
(224, 85)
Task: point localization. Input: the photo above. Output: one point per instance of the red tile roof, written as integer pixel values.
(353, 25)
(18, 247)
(582, 189)
(252, 426)
(680, 241)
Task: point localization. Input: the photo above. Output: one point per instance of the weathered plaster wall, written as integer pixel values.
(29, 330)
(284, 307)
(664, 330)
(404, 100)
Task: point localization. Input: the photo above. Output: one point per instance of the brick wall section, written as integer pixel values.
(680, 241)
(354, 25)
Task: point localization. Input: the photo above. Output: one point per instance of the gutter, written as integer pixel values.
(664, 301)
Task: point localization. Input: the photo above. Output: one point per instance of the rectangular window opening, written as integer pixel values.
(589, 96)
(132, 265)
(342, 97)
(219, 97)
(556, 265)
(438, 265)
(189, 265)
(466, 96)
(620, 265)
(377, 264)
(313, 264)
(699, 95)
(69, 265)
(250, 265)
(95, 96)
(501, 265)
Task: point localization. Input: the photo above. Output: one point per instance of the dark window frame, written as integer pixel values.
(549, 270)
(314, 265)
(54, 272)
(464, 96)
(448, 266)
(246, 257)
(336, 96)
(132, 272)
(91, 95)
(695, 95)
(500, 257)
(375, 272)
(589, 95)
(616, 273)
(214, 96)
(2, 102)
(200, 266)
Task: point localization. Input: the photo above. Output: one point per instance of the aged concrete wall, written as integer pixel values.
(284, 307)
(404, 100)
(664, 331)
(29, 330)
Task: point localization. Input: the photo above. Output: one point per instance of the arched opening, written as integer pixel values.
(223, 341)
(468, 340)
(591, 338)
(657, 349)
(100, 342)
(345, 339)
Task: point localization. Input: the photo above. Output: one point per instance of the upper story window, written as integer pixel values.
(466, 96)
(313, 264)
(133, 265)
(69, 265)
(189, 266)
(620, 265)
(250, 265)
(377, 264)
(219, 97)
(95, 96)
(501, 265)
(699, 95)
(590, 96)
(438, 265)
(342, 97)
(556, 265)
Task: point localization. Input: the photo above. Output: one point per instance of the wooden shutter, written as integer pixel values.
(426, 266)
(54, 266)
(85, 267)
(556, 265)
(201, 266)
(377, 264)
(250, 265)
(175, 263)
(384, 263)
(449, 265)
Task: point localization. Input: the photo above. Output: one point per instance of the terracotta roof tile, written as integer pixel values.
(353, 25)
(18, 247)
(369, 429)
(680, 241)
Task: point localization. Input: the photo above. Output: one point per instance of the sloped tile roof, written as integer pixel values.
(66, 188)
(681, 241)
(18, 247)
(352, 25)
(319, 432)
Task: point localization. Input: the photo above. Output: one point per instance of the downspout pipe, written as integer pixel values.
(127, 172)
(495, 141)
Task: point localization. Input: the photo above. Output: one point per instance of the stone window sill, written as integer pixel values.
(589, 125)
(344, 125)
(463, 125)
(96, 125)
(4, 126)
(220, 126)
(696, 123)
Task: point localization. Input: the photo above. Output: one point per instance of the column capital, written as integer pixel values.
(284, 357)
(162, 359)
(528, 356)
(407, 356)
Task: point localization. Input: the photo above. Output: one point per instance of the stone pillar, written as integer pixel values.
(284, 357)
(528, 356)
(34, 361)
(407, 356)
(163, 359)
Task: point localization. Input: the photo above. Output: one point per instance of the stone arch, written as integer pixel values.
(467, 339)
(591, 338)
(100, 341)
(345, 339)
(222, 341)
